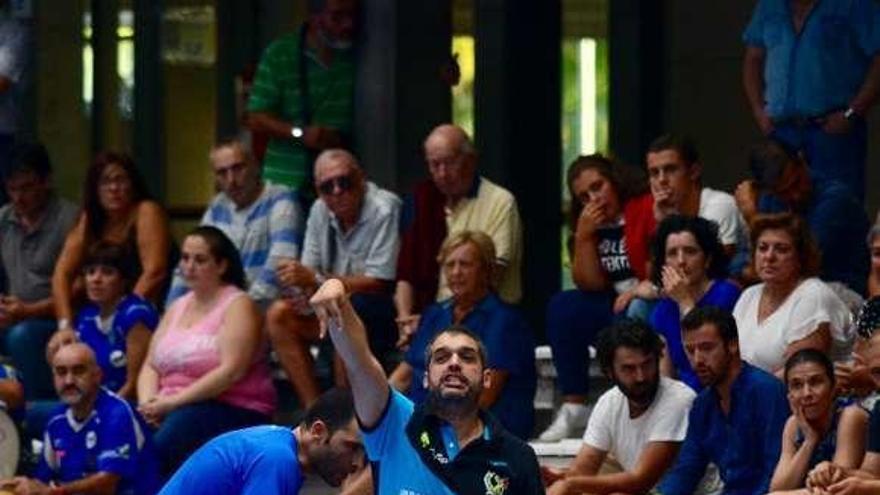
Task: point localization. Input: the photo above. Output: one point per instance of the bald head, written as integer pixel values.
(452, 161)
(77, 376)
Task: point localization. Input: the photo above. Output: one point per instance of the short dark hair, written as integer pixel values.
(810, 356)
(222, 249)
(706, 234)
(28, 157)
(458, 330)
(721, 319)
(104, 253)
(683, 145)
(630, 333)
(334, 408)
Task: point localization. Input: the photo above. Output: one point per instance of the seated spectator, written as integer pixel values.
(32, 230)
(95, 442)
(736, 421)
(612, 220)
(468, 258)
(820, 428)
(263, 220)
(782, 182)
(874, 246)
(116, 208)
(274, 459)
(641, 422)
(690, 265)
(115, 323)
(467, 201)
(206, 371)
(790, 309)
(675, 174)
(828, 477)
(351, 234)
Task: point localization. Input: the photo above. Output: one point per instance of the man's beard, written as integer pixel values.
(643, 395)
(455, 406)
(71, 395)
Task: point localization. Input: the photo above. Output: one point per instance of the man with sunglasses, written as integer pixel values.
(263, 220)
(351, 234)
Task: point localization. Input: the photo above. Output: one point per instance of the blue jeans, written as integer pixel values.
(25, 342)
(831, 156)
(186, 429)
(574, 317)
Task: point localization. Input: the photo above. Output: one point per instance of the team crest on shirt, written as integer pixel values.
(495, 483)
(91, 439)
(117, 358)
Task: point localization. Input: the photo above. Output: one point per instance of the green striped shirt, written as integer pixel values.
(276, 91)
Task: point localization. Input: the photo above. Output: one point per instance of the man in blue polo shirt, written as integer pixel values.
(736, 421)
(273, 460)
(811, 73)
(445, 445)
(96, 442)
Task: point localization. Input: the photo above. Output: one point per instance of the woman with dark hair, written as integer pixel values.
(206, 371)
(115, 323)
(874, 248)
(821, 427)
(690, 266)
(116, 208)
(790, 309)
(612, 221)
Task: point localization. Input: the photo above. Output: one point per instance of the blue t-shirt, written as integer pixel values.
(744, 444)
(112, 439)
(666, 320)
(109, 343)
(254, 461)
(821, 68)
(510, 345)
(400, 468)
(839, 225)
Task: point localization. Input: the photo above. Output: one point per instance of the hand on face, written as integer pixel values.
(675, 285)
(589, 221)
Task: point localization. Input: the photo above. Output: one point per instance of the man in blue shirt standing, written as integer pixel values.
(271, 459)
(445, 445)
(736, 421)
(96, 442)
(811, 73)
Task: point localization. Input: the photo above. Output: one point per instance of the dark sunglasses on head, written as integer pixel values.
(343, 182)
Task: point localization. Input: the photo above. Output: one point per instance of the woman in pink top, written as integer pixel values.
(206, 371)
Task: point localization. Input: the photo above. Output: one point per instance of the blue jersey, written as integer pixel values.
(113, 439)
(254, 461)
(108, 341)
(8, 372)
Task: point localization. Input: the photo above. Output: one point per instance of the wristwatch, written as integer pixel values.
(297, 133)
(850, 114)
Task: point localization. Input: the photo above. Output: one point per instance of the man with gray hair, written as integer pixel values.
(456, 198)
(351, 234)
(264, 221)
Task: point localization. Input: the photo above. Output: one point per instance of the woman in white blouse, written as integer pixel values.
(790, 309)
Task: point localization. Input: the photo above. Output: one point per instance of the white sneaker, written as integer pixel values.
(570, 421)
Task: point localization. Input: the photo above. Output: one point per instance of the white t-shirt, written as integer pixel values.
(809, 305)
(720, 207)
(612, 430)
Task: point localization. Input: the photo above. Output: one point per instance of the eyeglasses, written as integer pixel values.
(329, 186)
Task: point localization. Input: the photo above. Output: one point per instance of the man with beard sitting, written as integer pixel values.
(446, 445)
(641, 421)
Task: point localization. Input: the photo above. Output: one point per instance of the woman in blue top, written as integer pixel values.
(821, 426)
(115, 323)
(690, 267)
(467, 259)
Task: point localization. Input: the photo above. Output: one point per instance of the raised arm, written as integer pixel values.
(338, 318)
(586, 269)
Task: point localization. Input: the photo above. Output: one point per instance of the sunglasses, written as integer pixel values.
(329, 186)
